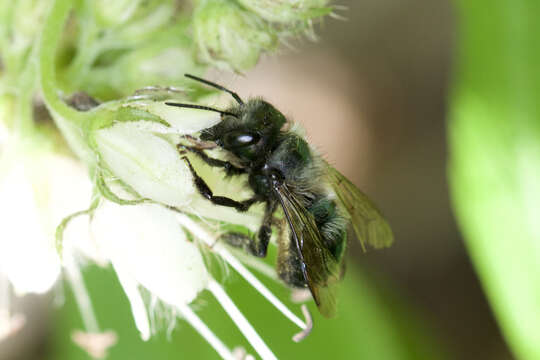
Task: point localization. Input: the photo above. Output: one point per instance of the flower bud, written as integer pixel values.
(20, 19)
(146, 162)
(227, 36)
(133, 147)
(160, 61)
(287, 11)
(115, 13)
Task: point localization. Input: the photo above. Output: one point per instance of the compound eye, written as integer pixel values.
(237, 139)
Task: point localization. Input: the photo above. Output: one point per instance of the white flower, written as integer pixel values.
(148, 248)
(33, 184)
(147, 243)
(150, 252)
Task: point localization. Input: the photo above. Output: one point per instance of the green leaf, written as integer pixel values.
(495, 159)
(372, 324)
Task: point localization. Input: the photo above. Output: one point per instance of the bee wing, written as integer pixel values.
(321, 270)
(368, 223)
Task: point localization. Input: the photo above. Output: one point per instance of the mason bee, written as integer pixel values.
(318, 202)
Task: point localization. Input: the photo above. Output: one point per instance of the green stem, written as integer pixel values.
(24, 125)
(69, 121)
(17, 78)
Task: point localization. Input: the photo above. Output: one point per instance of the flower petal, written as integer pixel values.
(183, 120)
(146, 162)
(140, 315)
(27, 256)
(149, 245)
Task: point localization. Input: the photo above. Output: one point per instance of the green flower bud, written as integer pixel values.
(19, 19)
(287, 11)
(229, 37)
(18, 32)
(161, 63)
(112, 13)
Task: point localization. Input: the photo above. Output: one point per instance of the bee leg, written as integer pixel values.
(255, 245)
(199, 144)
(260, 247)
(230, 169)
(206, 192)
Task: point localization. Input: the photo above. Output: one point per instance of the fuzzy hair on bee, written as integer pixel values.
(286, 174)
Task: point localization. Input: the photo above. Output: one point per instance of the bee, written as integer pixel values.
(317, 201)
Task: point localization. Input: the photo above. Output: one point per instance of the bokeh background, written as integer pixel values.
(372, 94)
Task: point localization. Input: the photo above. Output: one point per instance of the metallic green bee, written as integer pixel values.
(318, 202)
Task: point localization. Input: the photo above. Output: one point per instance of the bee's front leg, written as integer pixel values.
(230, 169)
(206, 192)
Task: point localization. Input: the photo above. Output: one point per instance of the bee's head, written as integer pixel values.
(250, 132)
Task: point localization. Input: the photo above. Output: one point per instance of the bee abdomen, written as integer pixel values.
(331, 224)
(289, 266)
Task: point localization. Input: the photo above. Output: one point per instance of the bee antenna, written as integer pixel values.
(209, 83)
(201, 107)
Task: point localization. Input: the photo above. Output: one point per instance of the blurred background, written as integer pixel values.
(372, 95)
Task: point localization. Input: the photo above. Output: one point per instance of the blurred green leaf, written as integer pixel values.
(495, 158)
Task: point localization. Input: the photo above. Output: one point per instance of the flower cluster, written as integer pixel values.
(231, 34)
(138, 210)
(151, 224)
